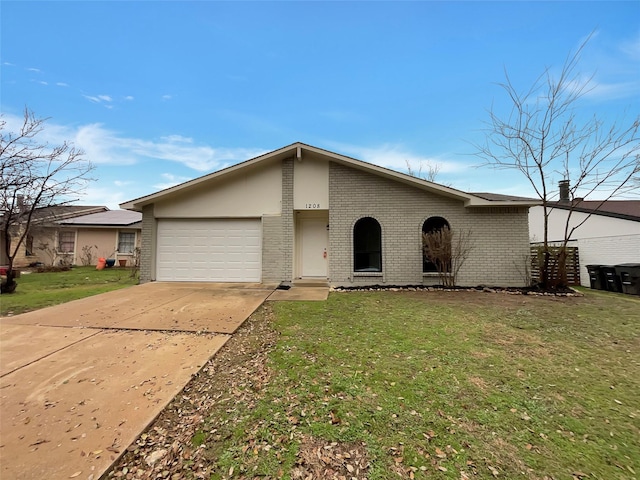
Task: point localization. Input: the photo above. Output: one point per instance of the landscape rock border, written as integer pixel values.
(534, 290)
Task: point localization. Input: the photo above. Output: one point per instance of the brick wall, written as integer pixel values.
(499, 235)
(287, 220)
(148, 251)
(272, 249)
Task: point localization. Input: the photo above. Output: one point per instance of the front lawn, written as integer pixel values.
(449, 385)
(38, 290)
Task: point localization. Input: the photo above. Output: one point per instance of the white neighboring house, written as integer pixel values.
(609, 236)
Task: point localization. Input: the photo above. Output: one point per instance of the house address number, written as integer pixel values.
(311, 205)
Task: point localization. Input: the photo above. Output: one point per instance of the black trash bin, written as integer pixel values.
(629, 274)
(596, 277)
(613, 283)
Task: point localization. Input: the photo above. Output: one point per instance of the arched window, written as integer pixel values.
(367, 245)
(432, 226)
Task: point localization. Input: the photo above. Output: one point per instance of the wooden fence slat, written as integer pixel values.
(573, 263)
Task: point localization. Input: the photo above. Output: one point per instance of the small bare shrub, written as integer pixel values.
(447, 251)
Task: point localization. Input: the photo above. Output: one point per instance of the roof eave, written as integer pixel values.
(481, 202)
(295, 150)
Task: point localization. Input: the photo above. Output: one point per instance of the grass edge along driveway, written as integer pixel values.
(441, 384)
(40, 290)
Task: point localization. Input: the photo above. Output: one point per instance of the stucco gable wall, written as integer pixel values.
(250, 192)
(500, 236)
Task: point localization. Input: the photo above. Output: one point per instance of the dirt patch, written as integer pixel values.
(176, 445)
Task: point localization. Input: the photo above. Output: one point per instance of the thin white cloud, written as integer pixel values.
(120, 183)
(8, 64)
(171, 180)
(91, 98)
(631, 48)
(397, 157)
(97, 194)
(35, 70)
(128, 97)
(107, 147)
(98, 98)
(612, 91)
(62, 84)
(177, 139)
(167, 97)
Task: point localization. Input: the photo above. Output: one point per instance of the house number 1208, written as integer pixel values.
(311, 205)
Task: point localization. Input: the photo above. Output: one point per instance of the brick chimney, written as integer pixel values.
(563, 185)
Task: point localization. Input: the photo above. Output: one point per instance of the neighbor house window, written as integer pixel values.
(367, 245)
(432, 225)
(66, 242)
(126, 242)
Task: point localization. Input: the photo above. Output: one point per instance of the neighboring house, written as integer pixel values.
(610, 234)
(79, 235)
(42, 232)
(109, 234)
(304, 212)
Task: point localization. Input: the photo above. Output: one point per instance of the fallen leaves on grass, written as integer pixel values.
(333, 460)
(169, 449)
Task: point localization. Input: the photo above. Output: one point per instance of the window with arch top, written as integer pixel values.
(432, 225)
(367, 245)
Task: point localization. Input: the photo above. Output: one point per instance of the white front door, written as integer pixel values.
(314, 244)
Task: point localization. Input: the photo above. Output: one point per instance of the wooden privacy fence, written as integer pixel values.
(573, 263)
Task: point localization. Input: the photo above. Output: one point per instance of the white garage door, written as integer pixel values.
(209, 250)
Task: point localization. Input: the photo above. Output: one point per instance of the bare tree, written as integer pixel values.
(428, 171)
(447, 251)
(542, 136)
(33, 176)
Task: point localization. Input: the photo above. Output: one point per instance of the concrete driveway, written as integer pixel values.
(80, 381)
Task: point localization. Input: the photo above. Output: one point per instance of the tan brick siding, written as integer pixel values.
(500, 236)
(148, 253)
(287, 219)
(272, 249)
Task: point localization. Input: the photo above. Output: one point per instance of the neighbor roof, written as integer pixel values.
(296, 150)
(62, 212)
(625, 209)
(108, 218)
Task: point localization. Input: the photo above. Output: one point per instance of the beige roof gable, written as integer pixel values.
(297, 151)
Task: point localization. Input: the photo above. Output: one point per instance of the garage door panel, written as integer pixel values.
(209, 250)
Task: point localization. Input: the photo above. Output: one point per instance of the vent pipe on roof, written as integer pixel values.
(563, 185)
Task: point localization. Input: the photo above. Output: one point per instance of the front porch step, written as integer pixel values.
(310, 282)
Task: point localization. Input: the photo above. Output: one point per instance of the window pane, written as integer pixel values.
(432, 225)
(126, 241)
(367, 246)
(66, 242)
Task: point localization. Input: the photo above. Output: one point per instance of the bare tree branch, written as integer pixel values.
(542, 137)
(34, 176)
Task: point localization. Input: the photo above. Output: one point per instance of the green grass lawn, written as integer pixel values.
(38, 290)
(450, 385)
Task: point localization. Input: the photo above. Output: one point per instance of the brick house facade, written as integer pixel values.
(300, 212)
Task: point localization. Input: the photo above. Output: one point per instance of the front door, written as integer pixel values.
(313, 247)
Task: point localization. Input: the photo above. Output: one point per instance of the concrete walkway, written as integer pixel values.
(80, 381)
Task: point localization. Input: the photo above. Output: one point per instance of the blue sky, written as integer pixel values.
(160, 92)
